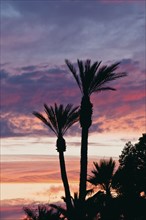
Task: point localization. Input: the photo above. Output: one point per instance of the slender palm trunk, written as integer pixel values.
(83, 164)
(65, 182)
(85, 121)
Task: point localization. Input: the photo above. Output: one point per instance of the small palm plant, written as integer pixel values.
(59, 119)
(103, 174)
(81, 209)
(90, 79)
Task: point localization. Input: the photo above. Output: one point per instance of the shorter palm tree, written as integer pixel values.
(82, 210)
(59, 119)
(102, 175)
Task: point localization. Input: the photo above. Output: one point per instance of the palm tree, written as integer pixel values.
(102, 175)
(59, 119)
(90, 79)
(82, 210)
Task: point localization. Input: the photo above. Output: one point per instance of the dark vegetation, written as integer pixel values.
(121, 193)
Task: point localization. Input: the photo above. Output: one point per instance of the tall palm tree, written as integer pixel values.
(59, 119)
(90, 79)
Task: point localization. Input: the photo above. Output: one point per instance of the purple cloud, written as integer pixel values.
(36, 38)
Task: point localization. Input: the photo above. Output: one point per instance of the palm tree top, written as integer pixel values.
(93, 78)
(102, 172)
(59, 118)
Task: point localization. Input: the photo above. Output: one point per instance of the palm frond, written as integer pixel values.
(72, 117)
(91, 78)
(81, 74)
(62, 210)
(31, 213)
(102, 173)
(44, 120)
(90, 75)
(104, 89)
(50, 111)
(59, 117)
(73, 71)
(105, 75)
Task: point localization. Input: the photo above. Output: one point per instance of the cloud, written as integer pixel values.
(36, 35)
(41, 170)
(11, 212)
(6, 129)
(4, 74)
(27, 88)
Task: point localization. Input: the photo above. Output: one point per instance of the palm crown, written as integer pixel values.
(59, 118)
(103, 173)
(93, 78)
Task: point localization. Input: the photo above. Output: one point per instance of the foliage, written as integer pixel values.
(132, 168)
(42, 212)
(93, 78)
(59, 118)
(102, 174)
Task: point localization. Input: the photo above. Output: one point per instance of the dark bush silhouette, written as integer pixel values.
(133, 168)
(42, 212)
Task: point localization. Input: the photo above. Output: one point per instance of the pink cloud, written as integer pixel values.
(46, 171)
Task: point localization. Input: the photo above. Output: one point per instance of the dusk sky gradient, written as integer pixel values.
(36, 37)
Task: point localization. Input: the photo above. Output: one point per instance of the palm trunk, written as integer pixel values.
(85, 121)
(65, 182)
(83, 164)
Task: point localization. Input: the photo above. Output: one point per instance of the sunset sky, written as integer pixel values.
(36, 37)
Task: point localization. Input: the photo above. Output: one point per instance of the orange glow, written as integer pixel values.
(40, 170)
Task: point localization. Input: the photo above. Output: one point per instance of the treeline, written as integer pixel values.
(114, 194)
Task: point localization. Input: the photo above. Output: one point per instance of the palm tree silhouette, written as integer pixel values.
(59, 119)
(103, 174)
(82, 210)
(90, 79)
